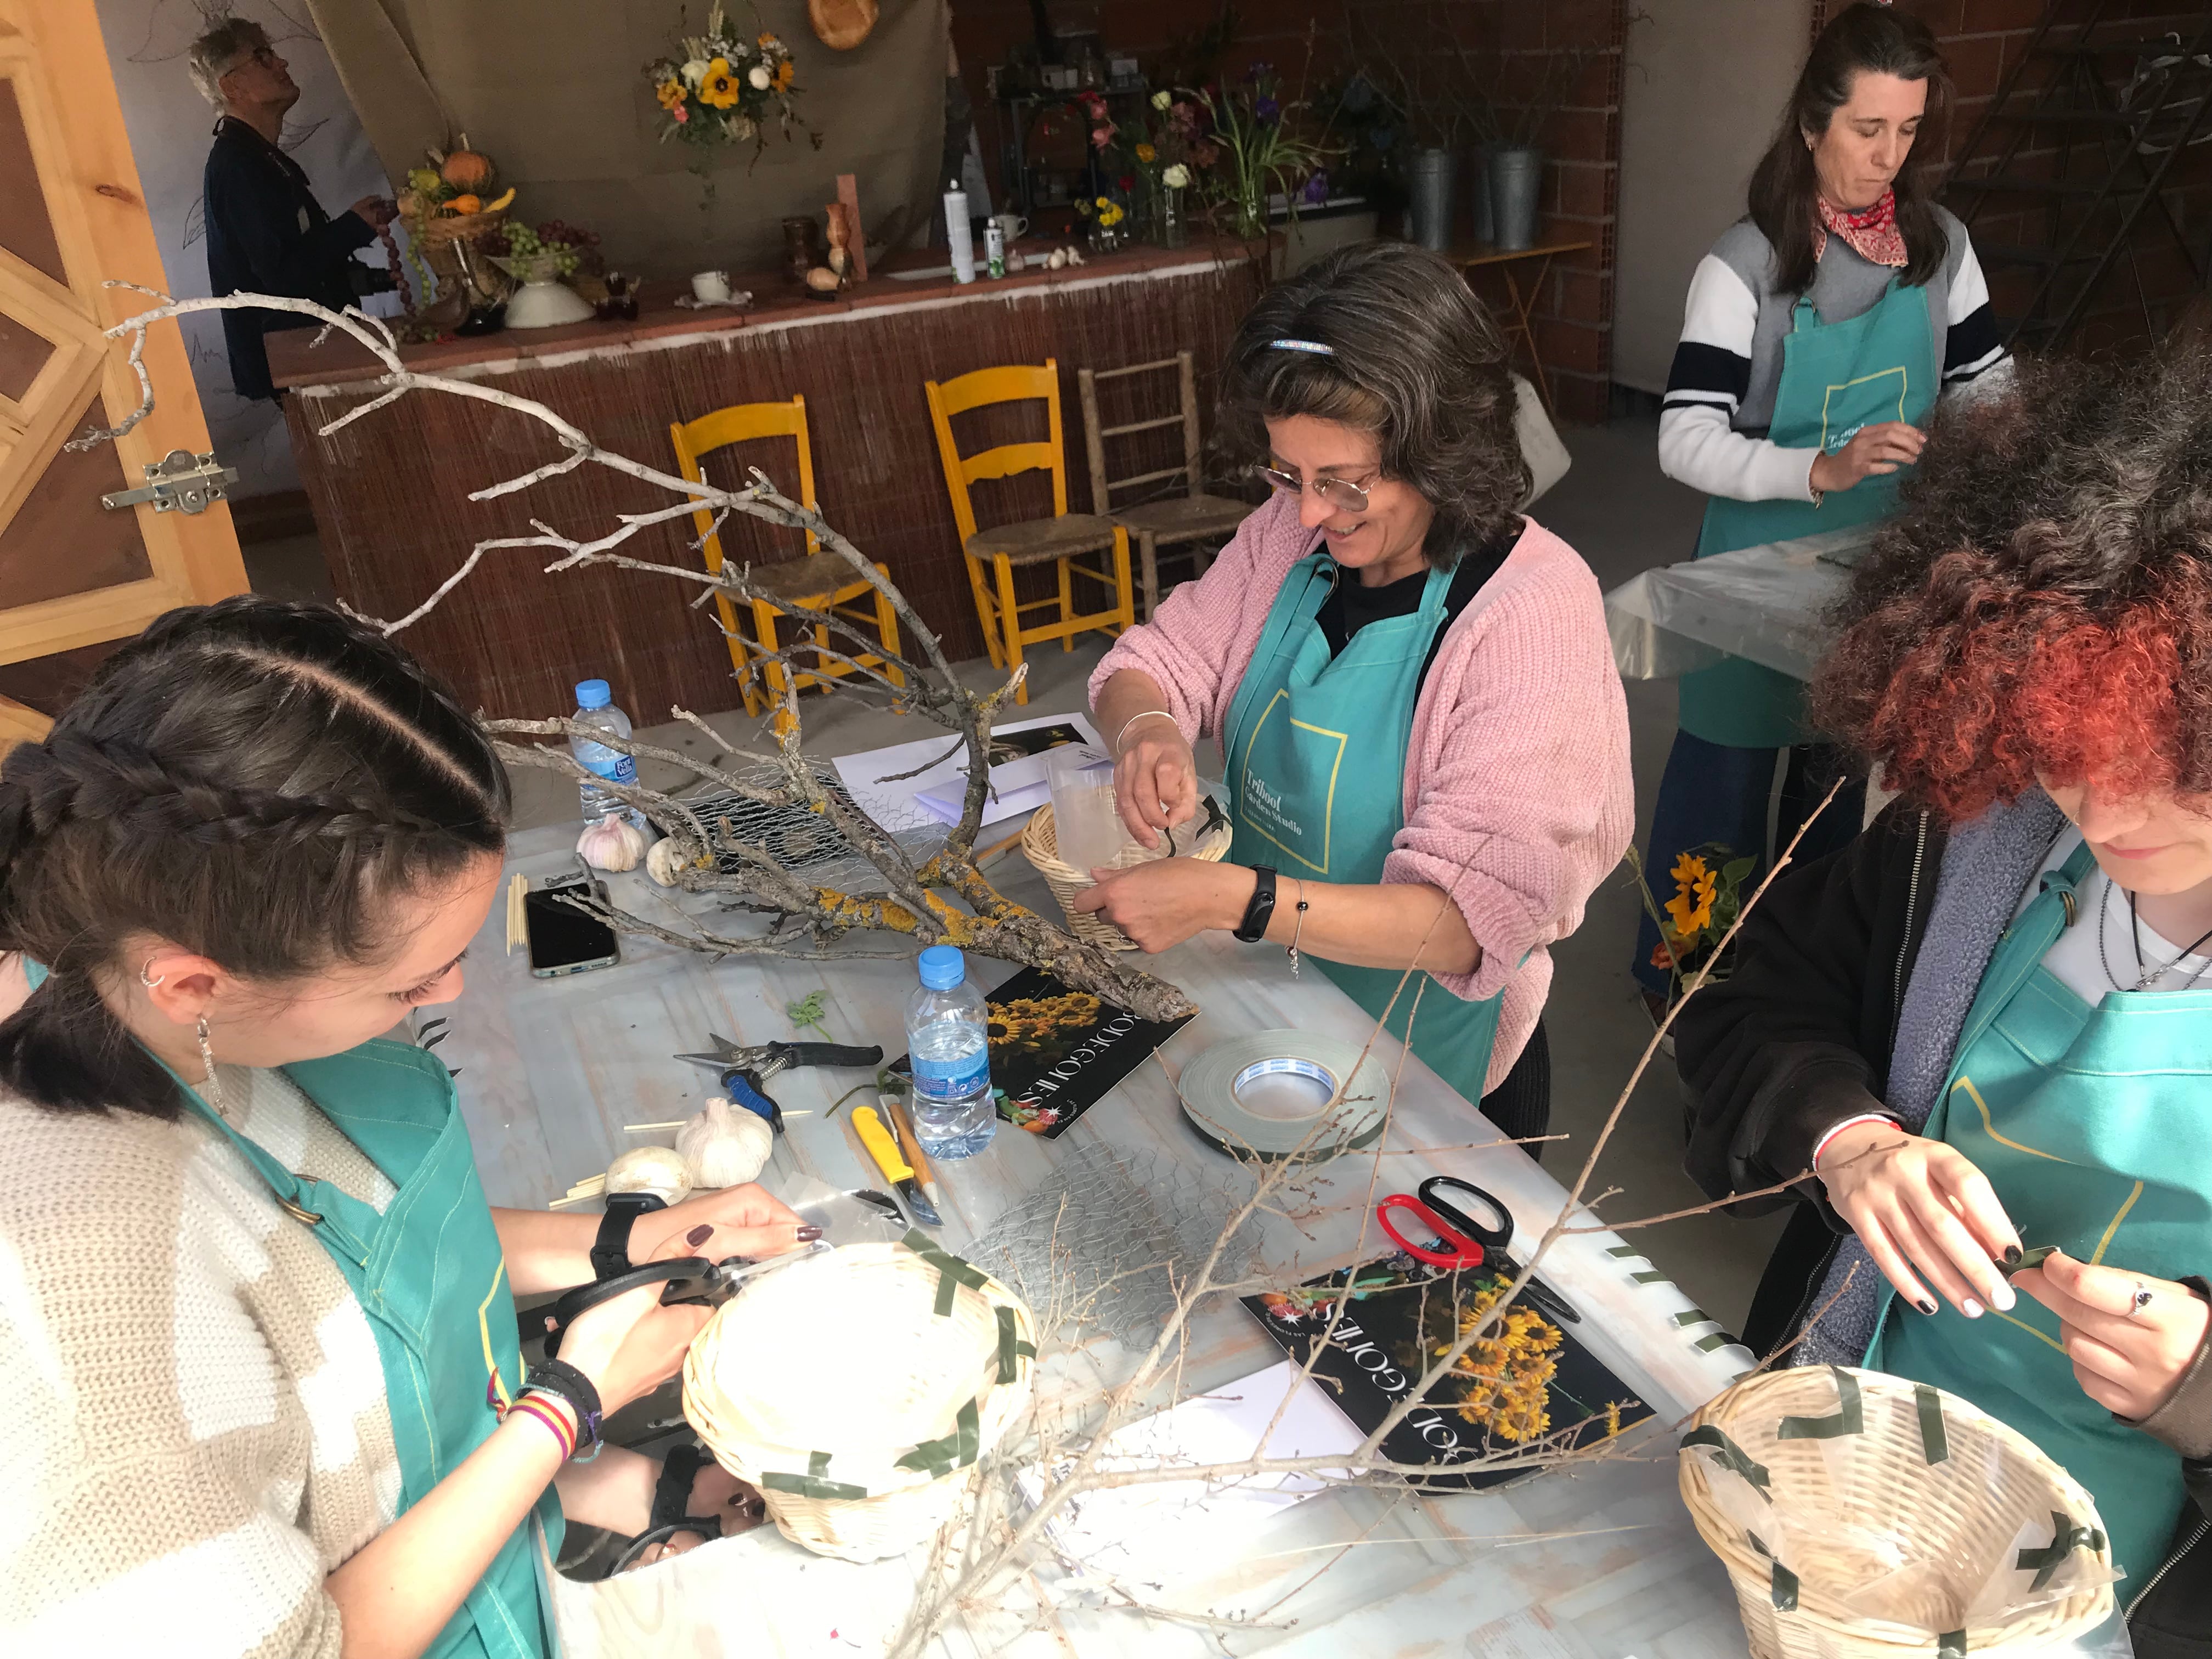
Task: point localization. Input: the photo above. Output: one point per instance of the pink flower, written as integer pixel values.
(1101, 137)
(681, 114)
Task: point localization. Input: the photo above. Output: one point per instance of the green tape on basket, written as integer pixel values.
(1951, 1644)
(1011, 1348)
(1695, 1316)
(812, 1484)
(1650, 1276)
(1734, 1456)
(1850, 1419)
(1935, 1440)
(1784, 1590)
(951, 1272)
(2065, 1539)
(1712, 1340)
(939, 1458)
(1622, 1252)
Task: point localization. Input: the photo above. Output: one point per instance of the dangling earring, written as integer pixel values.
(207, 1059)
(145, 972)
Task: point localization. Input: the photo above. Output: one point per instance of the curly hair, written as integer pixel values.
(251, 780)
(2042, 607)
(1412, 358)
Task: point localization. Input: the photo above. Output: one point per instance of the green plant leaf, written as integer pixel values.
(1733, 871)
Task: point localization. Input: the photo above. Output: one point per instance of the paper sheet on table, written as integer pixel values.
(1156, 1533)
(899, 803)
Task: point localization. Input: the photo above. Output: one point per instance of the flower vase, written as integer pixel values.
(1174, 233)
(1251, 209)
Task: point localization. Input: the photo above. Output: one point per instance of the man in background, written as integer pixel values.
(266, 233)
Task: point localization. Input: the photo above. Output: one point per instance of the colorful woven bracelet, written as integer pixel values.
(556, 1423)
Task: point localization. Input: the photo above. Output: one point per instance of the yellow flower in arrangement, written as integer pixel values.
(1103, 203)
(1113, 215)
(1147, 154)
(770, 42)
(784, 73)
(670, 92)
(1695, 885)
(720, 89)
(1504, 1377)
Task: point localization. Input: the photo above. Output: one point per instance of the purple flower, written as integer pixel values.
(1266, 109)
(1316, 190)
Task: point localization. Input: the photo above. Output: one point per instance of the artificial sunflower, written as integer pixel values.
(721, 87)
(784, 72)
(1695, 886)
(1147, 154)
(670, 92)
(768, 43)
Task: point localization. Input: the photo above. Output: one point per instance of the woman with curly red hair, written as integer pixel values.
(1985, 1027)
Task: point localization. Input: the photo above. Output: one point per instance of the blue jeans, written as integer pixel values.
(1712, 792)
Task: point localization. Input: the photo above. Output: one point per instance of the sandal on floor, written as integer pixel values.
(672, 1497)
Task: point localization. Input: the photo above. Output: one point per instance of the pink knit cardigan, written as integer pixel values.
(1517, 797)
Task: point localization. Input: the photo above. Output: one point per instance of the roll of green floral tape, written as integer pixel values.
(1275, 1095)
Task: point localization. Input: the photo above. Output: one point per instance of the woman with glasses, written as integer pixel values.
(1817, 335)
(1425, 740)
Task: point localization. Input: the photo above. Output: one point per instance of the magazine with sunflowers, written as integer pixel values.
(1056, 1052)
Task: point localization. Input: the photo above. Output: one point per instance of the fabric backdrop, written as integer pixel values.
(555, 93)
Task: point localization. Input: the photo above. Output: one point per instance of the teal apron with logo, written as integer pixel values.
(1317, 755)
(2095, 1126)
(1836, 378)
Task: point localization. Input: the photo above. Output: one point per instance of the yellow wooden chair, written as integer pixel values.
(1060, 540)
(813, 583)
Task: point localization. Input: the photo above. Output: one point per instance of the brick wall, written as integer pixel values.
(1572, 313)
(1983, 41)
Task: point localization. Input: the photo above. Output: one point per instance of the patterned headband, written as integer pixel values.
(1313, 346)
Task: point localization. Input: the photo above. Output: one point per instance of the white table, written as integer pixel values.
(550, 1071)
(1766, 603)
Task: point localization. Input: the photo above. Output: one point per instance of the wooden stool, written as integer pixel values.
(1059, 540)
(1164, 519)
(813, 583)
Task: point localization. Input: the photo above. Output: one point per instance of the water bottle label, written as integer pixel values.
(952, 1079)
(623, 769)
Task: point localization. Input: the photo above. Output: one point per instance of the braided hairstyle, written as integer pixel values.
(253, 780)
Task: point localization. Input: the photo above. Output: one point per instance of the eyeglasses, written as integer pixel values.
(1341, 494)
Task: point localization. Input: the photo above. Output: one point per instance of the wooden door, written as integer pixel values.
(75, 576)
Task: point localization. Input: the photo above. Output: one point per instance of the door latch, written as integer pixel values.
(180, 481)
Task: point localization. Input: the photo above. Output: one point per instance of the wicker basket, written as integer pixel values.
(1041, 846)
(860, 1389)
(1951, 1493)
(441, 228)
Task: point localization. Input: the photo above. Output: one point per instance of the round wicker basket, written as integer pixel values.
(859, 1390)
(1041, 846)
(454, 228)
(1891, 1532)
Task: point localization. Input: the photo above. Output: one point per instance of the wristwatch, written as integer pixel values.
(610, 1250)
(1262, 909)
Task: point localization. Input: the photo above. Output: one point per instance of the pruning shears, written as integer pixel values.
(742, 1071)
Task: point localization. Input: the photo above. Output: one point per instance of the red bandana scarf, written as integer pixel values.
(1871, 233)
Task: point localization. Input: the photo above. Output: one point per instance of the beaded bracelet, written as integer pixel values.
(557, 1425)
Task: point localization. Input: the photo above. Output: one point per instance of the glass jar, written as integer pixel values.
(1174, 232)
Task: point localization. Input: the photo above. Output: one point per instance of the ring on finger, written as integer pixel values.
(2138, 1301)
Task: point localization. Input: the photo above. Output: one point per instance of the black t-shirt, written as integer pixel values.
(1352, 607)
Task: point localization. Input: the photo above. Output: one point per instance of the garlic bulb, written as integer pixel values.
(665, 859)
(654, 1169)
(722, 1146)
(613, 843)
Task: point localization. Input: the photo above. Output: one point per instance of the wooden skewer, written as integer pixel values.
(653, 1129)
(517, 924)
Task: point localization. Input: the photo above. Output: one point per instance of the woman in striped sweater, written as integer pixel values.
(1818, 335)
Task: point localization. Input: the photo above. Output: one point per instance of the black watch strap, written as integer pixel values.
(610, 1250)
(1262, 909)
(558, 1376)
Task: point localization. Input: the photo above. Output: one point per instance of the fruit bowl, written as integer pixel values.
(543, 301)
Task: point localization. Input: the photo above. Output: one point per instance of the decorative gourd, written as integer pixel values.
(722, 1147)
(465, 205)
(613, 843)
(463, 169)
(654, 1169)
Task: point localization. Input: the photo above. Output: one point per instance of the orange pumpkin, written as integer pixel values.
(463, 169)
(465, 205)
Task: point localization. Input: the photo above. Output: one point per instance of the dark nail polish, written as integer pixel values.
(699, 1235)
(808, 1235)
(1927, 1307)
(2012, 1256)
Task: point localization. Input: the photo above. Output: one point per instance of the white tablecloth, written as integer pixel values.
(1766, 603)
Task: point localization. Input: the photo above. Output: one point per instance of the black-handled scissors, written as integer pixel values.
(1492, 1238)
(687, 1278)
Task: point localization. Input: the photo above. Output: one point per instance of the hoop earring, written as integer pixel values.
(207, 1059)
(143, 973)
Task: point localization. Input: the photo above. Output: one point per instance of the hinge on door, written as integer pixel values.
(180, 481)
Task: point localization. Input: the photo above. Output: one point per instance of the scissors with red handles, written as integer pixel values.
(1456, 1240)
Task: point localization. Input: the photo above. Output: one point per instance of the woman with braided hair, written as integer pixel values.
(257, 1323)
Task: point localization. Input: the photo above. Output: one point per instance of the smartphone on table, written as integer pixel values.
(563, 939)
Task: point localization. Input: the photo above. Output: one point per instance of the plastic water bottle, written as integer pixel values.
(948, 1043)
(595, 706)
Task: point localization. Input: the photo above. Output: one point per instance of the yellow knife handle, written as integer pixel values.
(881, 1145)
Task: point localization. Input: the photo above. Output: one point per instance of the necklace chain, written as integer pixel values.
(2147, 974)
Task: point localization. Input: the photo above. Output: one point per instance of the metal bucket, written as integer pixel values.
(1516, 187)
(1431, 176)
(1477, 194)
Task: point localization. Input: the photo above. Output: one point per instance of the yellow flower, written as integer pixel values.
(1145, 153)
(1103, 203)
(670, 92)
(721, 88)
(1691, 907)
(768, 43)
(1687, 869)
(784, 71)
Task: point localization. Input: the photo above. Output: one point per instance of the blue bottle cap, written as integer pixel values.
(593, 694)
(943, 967)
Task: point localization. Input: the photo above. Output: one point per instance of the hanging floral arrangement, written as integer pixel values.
(722, 88)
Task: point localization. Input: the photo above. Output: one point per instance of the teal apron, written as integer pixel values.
(1316, 753)
(1836, 378)
(2095, 1126)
